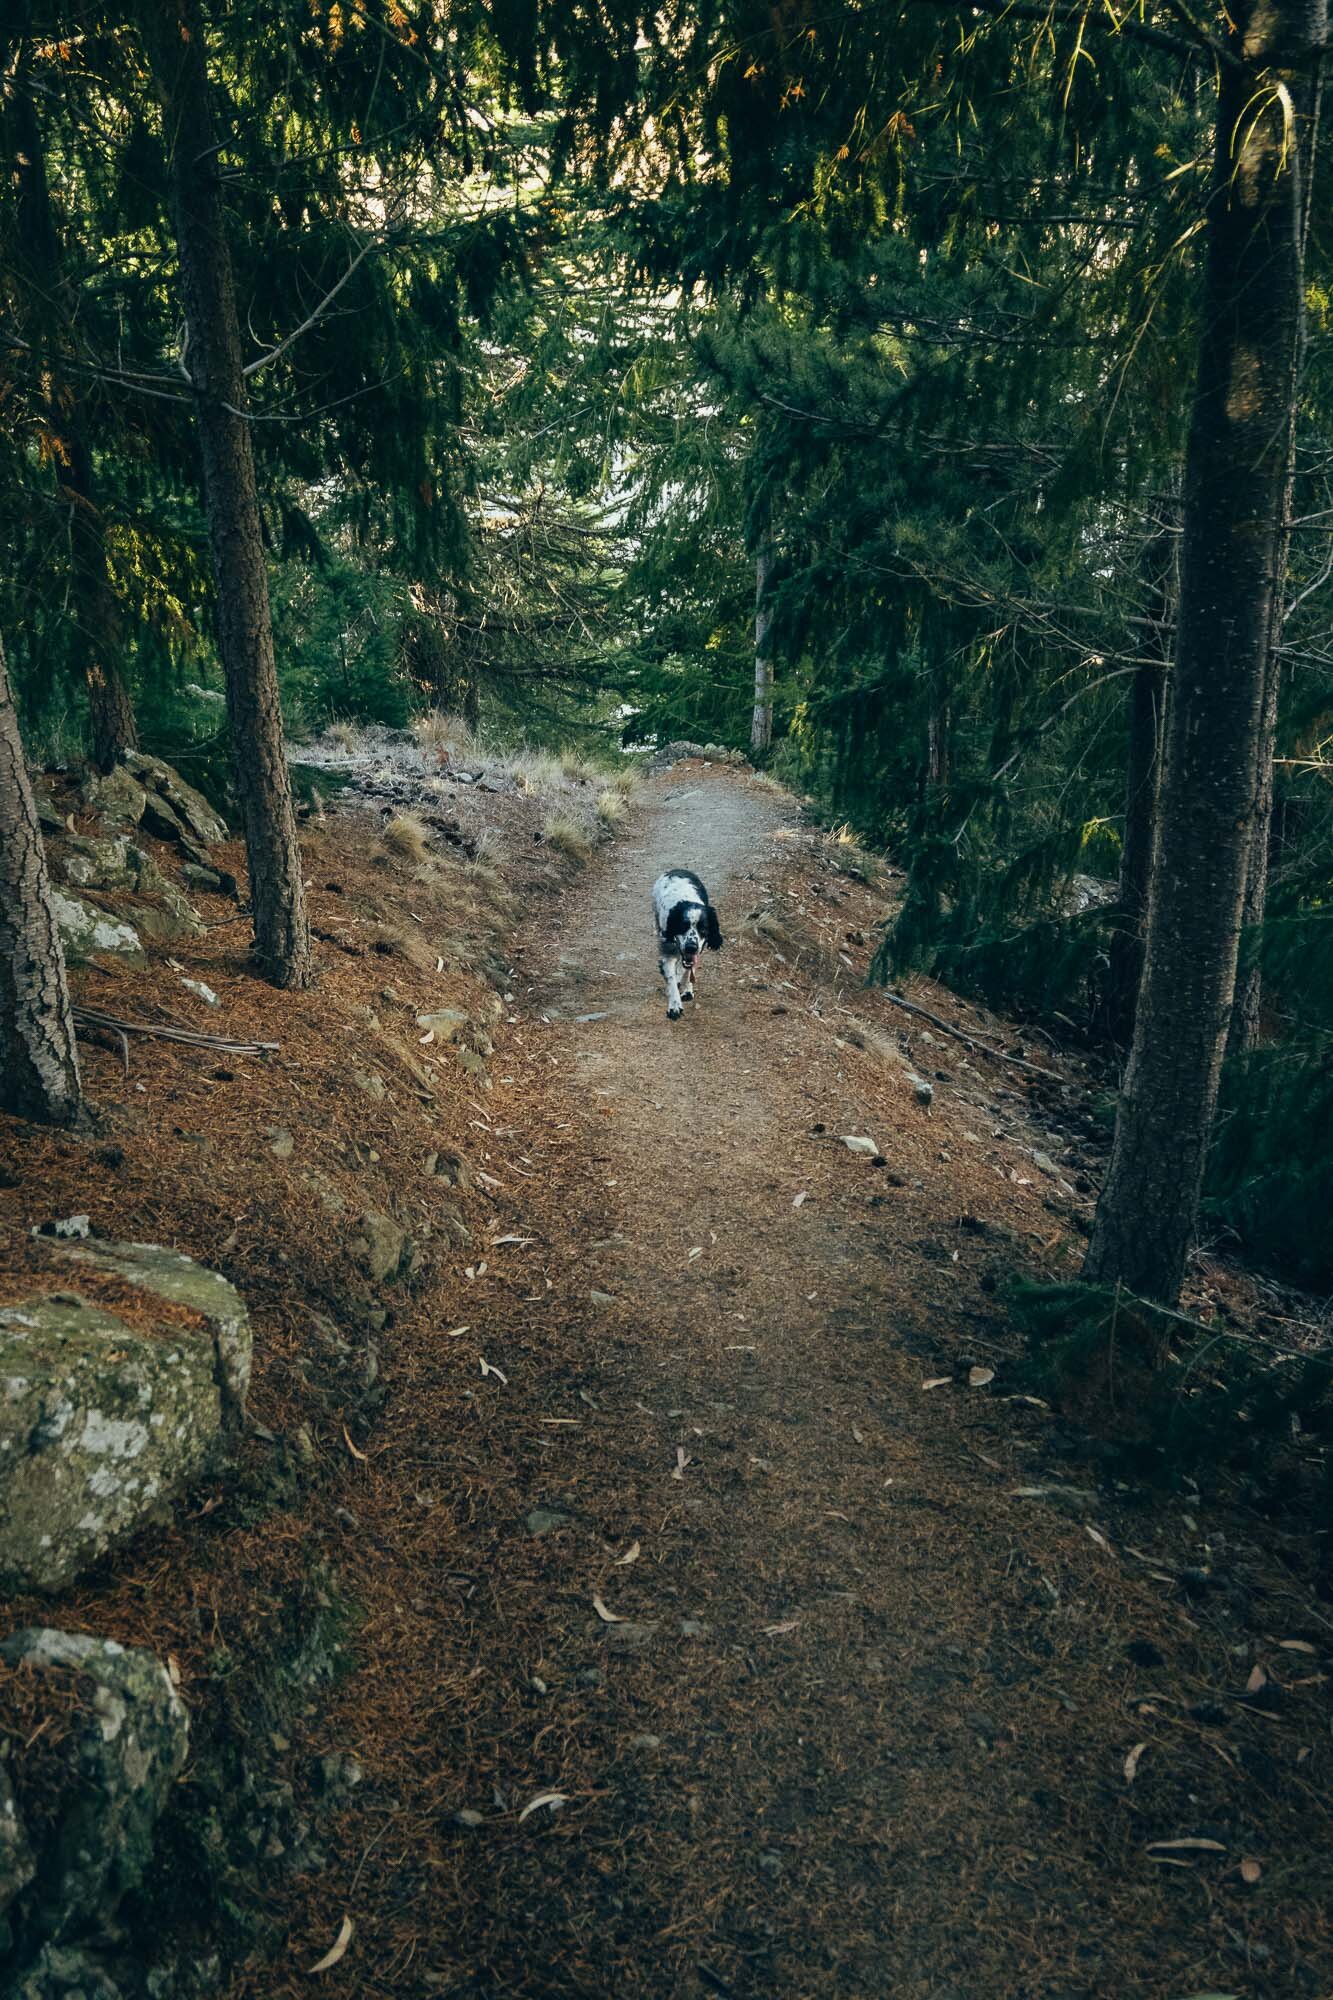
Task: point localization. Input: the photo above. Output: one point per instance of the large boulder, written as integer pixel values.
(172, 807)
(170, 1275)
(113, 1736)
(87, 932)
(145, 791)
(113, 864)
(100, 1425)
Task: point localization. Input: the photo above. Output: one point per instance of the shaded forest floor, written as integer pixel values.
(712, 1614)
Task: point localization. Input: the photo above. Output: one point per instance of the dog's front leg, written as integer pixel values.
(670, 966)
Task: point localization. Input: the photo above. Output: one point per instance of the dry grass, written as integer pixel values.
(347, 736)
(398, 941)
(535, 771)
(578, 769)
(567, 837)
(611, 807)
(406, 836)
(625, 778)
(435, 733)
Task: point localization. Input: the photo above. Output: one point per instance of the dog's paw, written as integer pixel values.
(673, 1013)
(687, 996)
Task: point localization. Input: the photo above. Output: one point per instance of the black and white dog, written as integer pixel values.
(686, 922)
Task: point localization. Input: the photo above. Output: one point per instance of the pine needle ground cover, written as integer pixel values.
(693, 1620)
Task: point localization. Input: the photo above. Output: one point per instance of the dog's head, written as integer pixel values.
(685, 929)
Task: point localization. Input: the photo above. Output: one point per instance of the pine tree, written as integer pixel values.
(1218, 748)
(174, 37)
(39, 1063)
(47, 316)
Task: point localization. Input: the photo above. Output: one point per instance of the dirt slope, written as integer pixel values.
(860, 1724)
(857, 1724)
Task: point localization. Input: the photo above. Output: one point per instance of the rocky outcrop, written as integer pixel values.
(77, 1820)
(87, 932)
(172, 1276)
(113, 864)
(384, 1250)
(102, 1423)
(99, 1426)
(144, 791)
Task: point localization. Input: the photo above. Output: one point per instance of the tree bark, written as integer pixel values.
(39, 1063)
(173, 32)
(1247, 1002)
(938, 724)
(1234, 491)
(761, 724)
(96, 615)
(1147, 704)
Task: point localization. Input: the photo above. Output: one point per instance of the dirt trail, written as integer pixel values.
(861, 1725)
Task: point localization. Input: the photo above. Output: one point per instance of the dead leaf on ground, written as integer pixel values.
(1250, 1869)
(543, 1799)
(1297, 1646)
(977, 1378)
(799, 1199)
(681, 1462)
(487, 1369)
(1132, 1762)
(607, 1617)
(1258, 1679)
(352, 1448)
(777, 1631)
(936, 1381)
(1187, 1844)
(631, 1554)
(336, 1949)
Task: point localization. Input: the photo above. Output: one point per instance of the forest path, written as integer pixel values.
(834, 1678)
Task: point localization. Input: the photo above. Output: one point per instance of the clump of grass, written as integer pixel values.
(611, 807)
(577, 768)
(347, 736)
(435, 733)
(391, 941)
(536, 771)
(567, 837)
(625, 779)
(405, 836)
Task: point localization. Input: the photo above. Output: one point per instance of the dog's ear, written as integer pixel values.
(714, 930)
(675, 923)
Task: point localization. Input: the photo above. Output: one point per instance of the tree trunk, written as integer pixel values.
(96, 617)
(761, 725)
(39, 1063)
(938, 721)
(1246, 1005)
(1147, 703)
(110, 712)
(1234, 490)
(173, 32)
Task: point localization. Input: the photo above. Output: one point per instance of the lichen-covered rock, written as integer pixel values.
(87, 932)
(115, 863)
(170, 1275)
(17, 1866)
(99, 1426)
(167, 796)
(447, 1024)
(120, 1748)
(383, 1249)
(145, 791)
(64, 1972)
(117, 798)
